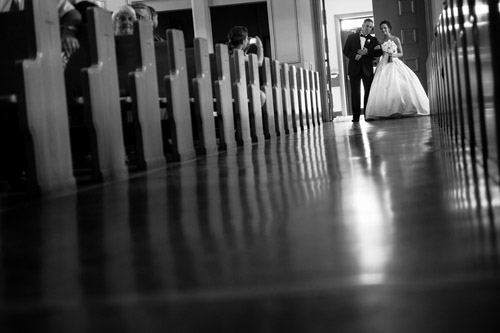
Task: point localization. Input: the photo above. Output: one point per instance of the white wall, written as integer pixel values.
(112, 5)
(159, 5)
(305, 17)
(436, 9)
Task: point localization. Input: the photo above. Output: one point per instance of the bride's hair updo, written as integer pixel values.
(386, 23)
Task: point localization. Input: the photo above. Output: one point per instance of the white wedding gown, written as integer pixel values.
(395, 92)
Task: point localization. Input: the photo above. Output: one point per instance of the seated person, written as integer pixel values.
(238, 40)
(123, 20)
(154, 16)
(147, 13)
(142, 12)
(81, 58)
(69, 20)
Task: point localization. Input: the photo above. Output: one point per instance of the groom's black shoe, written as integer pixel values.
(355, 120)
(369, 119)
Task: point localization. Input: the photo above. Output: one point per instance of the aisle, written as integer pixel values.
(367, 227)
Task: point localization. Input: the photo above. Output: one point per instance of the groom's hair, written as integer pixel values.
(367, 20)
(386, 23)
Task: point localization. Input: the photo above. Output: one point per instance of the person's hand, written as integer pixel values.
(358, 56)
(69, 42)
(378, 47)
(363, 51)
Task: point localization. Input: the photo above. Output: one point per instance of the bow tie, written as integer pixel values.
(367, 36)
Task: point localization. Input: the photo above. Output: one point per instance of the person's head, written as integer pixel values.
(142, 12)
(154, 16)
(367, 26)
(385, 27)
(123, 20)
(237, 38)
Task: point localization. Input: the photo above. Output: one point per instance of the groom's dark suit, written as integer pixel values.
(361, 69)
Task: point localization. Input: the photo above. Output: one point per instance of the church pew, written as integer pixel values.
(302, 98)
(32, 83)
(287, 99)
(312, 94)
(136, 63)
(268, 107)
(254, 98)
(199, 75)
(307, 93)
(221, 78)
(177, 95)
(294, 98)
(195, 71)
(162, 69)
(92, 79)
(319, 110)
(279, 117)
(240, 95)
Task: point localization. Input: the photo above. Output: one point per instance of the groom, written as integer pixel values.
(360, 49)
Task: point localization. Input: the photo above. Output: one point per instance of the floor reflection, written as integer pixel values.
(336, 220)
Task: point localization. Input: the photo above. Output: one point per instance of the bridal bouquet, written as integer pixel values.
(389, 47)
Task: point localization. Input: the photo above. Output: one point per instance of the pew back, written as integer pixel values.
(240, 95)
(254, 96)
(201, 83)
(294, 98)
(38, 76)
(102, 100)
(221, 78)
(177, 91)
(137, 75)
(268, 107)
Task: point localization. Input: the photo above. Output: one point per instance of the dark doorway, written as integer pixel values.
(253, 16)
(177, 19)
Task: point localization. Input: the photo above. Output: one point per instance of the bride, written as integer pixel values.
(396, 91)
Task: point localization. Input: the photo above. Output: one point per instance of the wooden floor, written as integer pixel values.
(373, 227)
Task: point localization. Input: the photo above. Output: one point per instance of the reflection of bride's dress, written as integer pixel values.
(395, 91)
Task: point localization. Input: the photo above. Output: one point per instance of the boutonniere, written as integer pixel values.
(367, 41)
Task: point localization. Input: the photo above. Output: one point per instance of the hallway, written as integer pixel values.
(367, 227)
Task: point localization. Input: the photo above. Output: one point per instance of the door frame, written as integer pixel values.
(340, 55)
